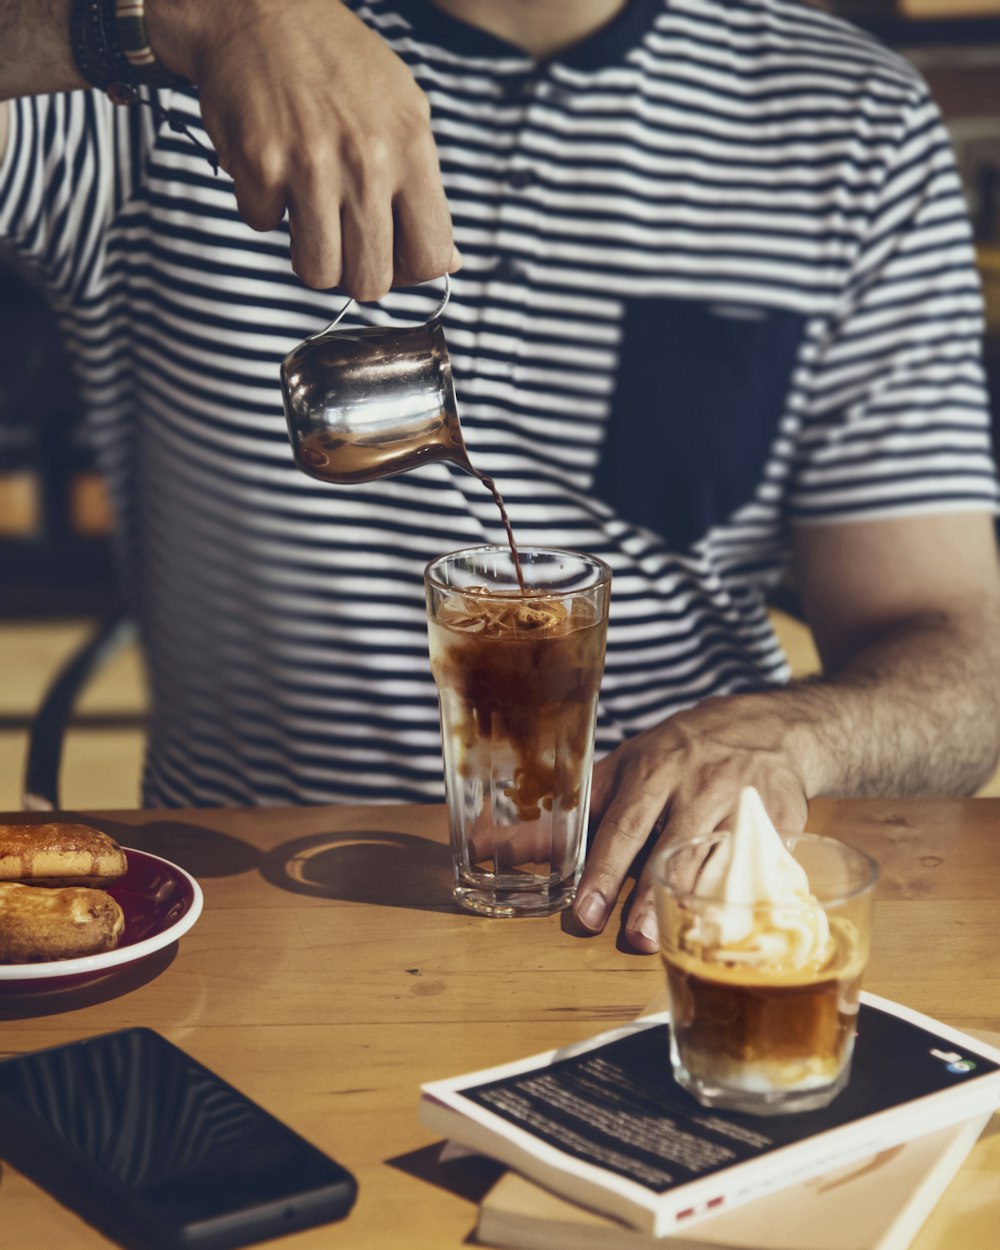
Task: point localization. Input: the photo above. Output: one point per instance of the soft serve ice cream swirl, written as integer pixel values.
(758, 911)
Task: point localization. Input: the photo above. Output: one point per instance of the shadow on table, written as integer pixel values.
(199, 851)
(17, 1005)
(389, 869)
(470, 1177)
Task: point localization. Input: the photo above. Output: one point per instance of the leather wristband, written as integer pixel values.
(111, 48)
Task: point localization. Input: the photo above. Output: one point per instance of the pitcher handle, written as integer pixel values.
(444, 301)
(433, 317)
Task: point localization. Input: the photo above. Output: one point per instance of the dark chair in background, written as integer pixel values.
(55, 555)
(47, 732)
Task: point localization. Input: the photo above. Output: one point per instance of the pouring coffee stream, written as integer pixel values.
(374, 401)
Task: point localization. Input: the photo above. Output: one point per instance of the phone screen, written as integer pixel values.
(157, 1150)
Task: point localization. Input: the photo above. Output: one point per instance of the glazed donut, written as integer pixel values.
(58, 854)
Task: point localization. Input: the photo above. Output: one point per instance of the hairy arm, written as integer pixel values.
(34, 53)
(34, 49)
(310, 112)
(906, 616)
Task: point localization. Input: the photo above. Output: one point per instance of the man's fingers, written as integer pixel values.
(317, 260)
(424, 247)
(621, 835)
(628, 823)
(786, 806)
(603, 782)
(641, 930)
(367, 247)
(261, 205)
(685, 820)
(407, 273)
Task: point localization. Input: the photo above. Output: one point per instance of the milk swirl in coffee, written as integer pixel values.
(520, 676)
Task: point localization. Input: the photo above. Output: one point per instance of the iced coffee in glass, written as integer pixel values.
(765, 940)
(518, 669)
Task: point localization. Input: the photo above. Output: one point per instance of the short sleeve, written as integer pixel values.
(896, 414)
(71, 161)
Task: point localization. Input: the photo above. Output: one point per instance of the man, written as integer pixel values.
(716, 316)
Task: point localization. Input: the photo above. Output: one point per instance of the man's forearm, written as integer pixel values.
(35, 54)
(915, 712)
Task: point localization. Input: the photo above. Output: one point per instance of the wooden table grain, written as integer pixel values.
(329, 976)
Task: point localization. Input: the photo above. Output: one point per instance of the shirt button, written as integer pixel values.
(520, 88)
(519, 179)
(507, 270)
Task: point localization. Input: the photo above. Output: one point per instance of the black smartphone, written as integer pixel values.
(157, 1151)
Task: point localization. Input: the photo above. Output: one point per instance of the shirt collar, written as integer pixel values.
(604, 47)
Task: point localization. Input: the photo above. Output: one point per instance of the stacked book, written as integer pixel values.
(608, 1153)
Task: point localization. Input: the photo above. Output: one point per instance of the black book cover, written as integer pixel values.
(618, 1107)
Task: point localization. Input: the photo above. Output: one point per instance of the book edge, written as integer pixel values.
(443, 1103)
(507, 1227)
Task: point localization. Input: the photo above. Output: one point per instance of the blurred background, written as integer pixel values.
(56, 578)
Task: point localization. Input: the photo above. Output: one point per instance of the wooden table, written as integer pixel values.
(329, 976)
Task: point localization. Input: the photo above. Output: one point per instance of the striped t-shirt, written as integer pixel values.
(718, 281)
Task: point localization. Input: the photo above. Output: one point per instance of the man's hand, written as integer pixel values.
(906, 616)
(309, 110)
(681, 779)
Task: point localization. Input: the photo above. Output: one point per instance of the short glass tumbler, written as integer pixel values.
(517, 677)
(764, 1040)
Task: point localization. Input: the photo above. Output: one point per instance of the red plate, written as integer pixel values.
(160, 901)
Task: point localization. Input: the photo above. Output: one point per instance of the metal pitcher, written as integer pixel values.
(372, 401)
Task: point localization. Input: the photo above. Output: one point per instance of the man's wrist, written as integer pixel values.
(174, 34)
(795, 718)
(110, 46)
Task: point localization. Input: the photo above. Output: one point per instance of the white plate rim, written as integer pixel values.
(106, 960)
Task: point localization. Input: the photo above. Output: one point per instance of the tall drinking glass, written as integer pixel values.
(517, 677)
